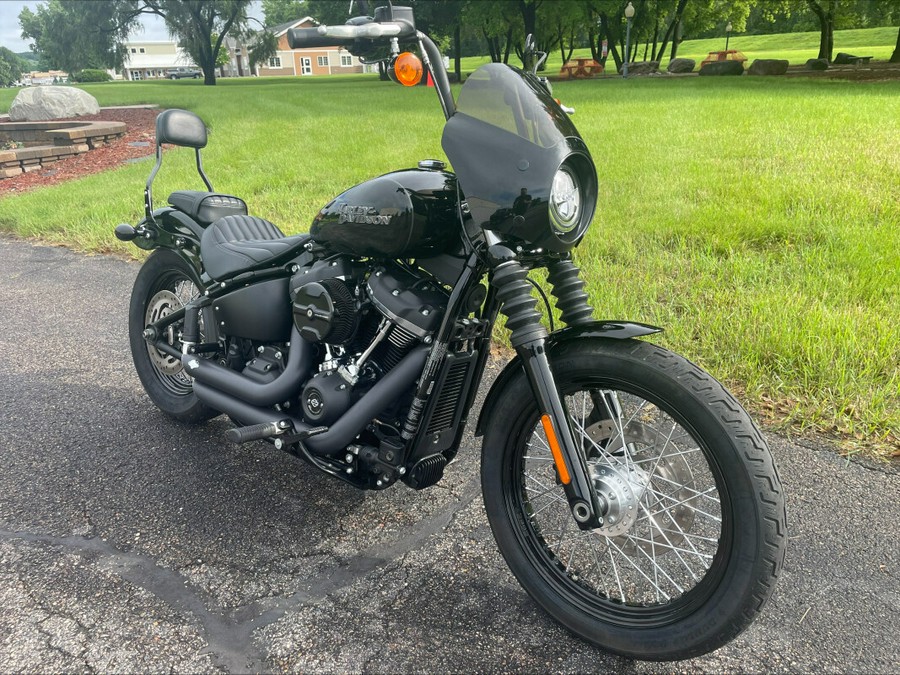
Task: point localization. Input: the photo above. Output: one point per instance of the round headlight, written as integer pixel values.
(565, 201)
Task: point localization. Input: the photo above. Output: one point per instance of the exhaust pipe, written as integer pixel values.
(224, 379)
(351, 423)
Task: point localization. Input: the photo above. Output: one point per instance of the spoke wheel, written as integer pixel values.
(693, 530)
(164, 285)
(663, 523)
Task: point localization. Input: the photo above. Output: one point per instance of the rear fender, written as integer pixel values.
(616, 330)
(177, 232)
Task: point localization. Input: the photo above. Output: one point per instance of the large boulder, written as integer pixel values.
(38, 104)
(768, 67)
(643, 68)
(723, 68)
(817, 64)
(681, 65)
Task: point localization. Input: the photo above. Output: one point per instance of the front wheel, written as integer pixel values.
(693, 535)
(164, 284)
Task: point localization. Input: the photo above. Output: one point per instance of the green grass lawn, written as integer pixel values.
(795, 47)
(756, 219)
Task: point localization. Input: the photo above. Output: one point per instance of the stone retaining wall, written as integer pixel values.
(48, 142)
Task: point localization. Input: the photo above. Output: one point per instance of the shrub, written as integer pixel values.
(90, 75)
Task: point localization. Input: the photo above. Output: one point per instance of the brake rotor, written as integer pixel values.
(160, 306)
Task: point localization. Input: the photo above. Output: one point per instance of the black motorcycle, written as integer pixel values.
(629, 492)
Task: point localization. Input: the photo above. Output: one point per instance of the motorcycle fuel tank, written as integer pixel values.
(403, 214)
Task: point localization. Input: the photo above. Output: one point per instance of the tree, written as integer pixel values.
(11, 67)
(74, 34)
(496, 21)
(895, 57)
(195, 22)
(330, 12)
(263, 46)
(278, 12)
(825, 11)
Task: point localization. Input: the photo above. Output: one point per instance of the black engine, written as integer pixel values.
(365, 319)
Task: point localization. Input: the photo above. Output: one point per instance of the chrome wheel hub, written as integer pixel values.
(622, 498)
(624, 479)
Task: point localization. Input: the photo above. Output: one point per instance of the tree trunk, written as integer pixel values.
(826, 29)
(457, 63)
(895, 57)
(562, 45)
(676, 40)
(670, 31)
(606, 33)
(655, 39)
(826, 41)
(493, 49)
(508, 45)
(529, 17)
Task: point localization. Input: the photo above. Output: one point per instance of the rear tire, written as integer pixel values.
(694, 536)
(164, 284)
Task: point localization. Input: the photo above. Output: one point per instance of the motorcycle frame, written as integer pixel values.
(176, 231)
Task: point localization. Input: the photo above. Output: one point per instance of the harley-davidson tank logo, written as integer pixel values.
(363, 215)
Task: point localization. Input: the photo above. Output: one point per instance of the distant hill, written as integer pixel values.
(28, 56)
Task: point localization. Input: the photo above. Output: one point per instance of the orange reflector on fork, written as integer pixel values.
(555, 449)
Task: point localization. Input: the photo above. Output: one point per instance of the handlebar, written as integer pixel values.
(362, 30)
(309, 37)
(327, 36)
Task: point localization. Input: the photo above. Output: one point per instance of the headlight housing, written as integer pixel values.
(565, 200)
(571, 201)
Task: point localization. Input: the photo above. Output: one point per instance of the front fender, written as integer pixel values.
(616, 330)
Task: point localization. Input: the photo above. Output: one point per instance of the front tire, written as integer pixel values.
(164, 284)
(694, 533)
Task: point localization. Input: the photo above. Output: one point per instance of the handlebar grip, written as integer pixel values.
(310, 37)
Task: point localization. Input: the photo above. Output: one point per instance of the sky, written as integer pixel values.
(10, 32)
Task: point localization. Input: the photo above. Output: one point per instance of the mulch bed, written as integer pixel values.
(141, 129)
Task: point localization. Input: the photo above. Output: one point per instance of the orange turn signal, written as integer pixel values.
(554, 448)
(406, 69)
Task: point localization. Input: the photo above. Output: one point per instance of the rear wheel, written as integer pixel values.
(694, 531)
(164, 285)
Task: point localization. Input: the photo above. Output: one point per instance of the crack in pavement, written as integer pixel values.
(229, 634)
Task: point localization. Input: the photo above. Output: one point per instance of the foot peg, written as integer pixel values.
(257, 432)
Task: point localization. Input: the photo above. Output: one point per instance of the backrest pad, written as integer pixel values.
(180, 127)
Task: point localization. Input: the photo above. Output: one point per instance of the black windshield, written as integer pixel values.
(506, 98)
(506, 142)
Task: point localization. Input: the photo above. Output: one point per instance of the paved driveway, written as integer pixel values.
(131, 543)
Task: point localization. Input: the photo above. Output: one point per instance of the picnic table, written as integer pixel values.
(580, 68)
(729, 55)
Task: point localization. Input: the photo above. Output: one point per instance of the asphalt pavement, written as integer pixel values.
(129, 542)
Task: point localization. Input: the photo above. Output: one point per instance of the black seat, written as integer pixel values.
(205, 207)
(236, 243)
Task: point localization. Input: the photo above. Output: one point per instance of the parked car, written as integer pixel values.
(178, 73)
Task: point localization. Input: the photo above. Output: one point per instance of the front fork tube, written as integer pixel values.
(528, 337)
(571, 466)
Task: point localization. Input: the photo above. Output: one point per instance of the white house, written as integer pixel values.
(151, 60)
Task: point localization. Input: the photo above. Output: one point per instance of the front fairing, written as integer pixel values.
(506, 142)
